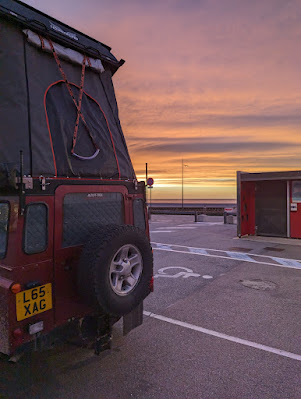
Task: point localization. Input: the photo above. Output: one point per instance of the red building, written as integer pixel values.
(269, 204)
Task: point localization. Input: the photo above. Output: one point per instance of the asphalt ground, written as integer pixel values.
(224, 322)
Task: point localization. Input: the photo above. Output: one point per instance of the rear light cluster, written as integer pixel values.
(16, 288)
(18, 335)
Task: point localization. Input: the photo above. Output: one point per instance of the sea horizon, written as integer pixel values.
(192, 202)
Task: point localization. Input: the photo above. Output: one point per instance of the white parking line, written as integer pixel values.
(161, 231)
(230, 338)
(222, 257)
(198, 251)
(288, 262)
(162, 246)
(172, 229)
(179, 228)
(239, 256)
(202, 224)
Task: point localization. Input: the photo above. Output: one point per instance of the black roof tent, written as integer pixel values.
(51, 102)
(41, 23)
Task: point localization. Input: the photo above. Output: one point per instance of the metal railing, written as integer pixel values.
(202, 210)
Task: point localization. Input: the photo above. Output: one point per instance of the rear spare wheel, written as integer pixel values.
(116, 268)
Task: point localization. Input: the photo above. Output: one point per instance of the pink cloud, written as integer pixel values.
(202, 69)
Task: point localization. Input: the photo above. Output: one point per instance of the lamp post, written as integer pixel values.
(150, 183)
(183, 182)
(146, 181)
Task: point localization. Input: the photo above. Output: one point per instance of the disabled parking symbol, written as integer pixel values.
(184, 273)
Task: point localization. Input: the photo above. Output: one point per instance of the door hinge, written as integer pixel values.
(27, 181)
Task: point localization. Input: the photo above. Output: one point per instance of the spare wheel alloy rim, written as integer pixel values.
(125, 269)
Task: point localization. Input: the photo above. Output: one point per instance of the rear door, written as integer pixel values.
(271, 208)
(295, 208)
(79, 212)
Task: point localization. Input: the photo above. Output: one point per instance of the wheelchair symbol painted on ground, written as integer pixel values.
(167, 272)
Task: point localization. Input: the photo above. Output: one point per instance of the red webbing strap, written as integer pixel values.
(42, 42)
(77, 104)
(80, 97)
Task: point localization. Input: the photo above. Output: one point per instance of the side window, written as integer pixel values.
(4, 217)
(139, 215)
(85, 212)
(35, 229)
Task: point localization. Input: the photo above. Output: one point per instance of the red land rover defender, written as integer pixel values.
(74, 239)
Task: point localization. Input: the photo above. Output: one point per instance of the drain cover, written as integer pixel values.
(259, 284)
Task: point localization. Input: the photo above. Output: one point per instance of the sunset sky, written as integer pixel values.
(214, 82)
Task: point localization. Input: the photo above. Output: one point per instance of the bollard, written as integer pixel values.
(201, 218)
(230, 216)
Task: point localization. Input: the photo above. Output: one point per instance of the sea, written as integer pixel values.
(193, 203)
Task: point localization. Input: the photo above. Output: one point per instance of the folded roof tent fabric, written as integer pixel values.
(38, 113)
(63, 52)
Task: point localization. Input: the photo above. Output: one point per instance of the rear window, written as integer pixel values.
(139, 214)
(84, 213)
(36, 228)
(4, 216)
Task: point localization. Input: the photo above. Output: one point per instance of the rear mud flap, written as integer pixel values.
(133, 319)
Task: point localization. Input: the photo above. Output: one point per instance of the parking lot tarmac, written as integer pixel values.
(224, 322)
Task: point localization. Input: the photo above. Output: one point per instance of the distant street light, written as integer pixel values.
(183, 182)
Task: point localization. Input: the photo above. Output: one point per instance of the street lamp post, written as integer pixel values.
(183, 182)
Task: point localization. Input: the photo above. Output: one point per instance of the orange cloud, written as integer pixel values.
(216, 83)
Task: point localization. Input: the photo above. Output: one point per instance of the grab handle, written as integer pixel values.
(86, 158)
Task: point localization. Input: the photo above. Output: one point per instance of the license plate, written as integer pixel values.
(33, 301)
